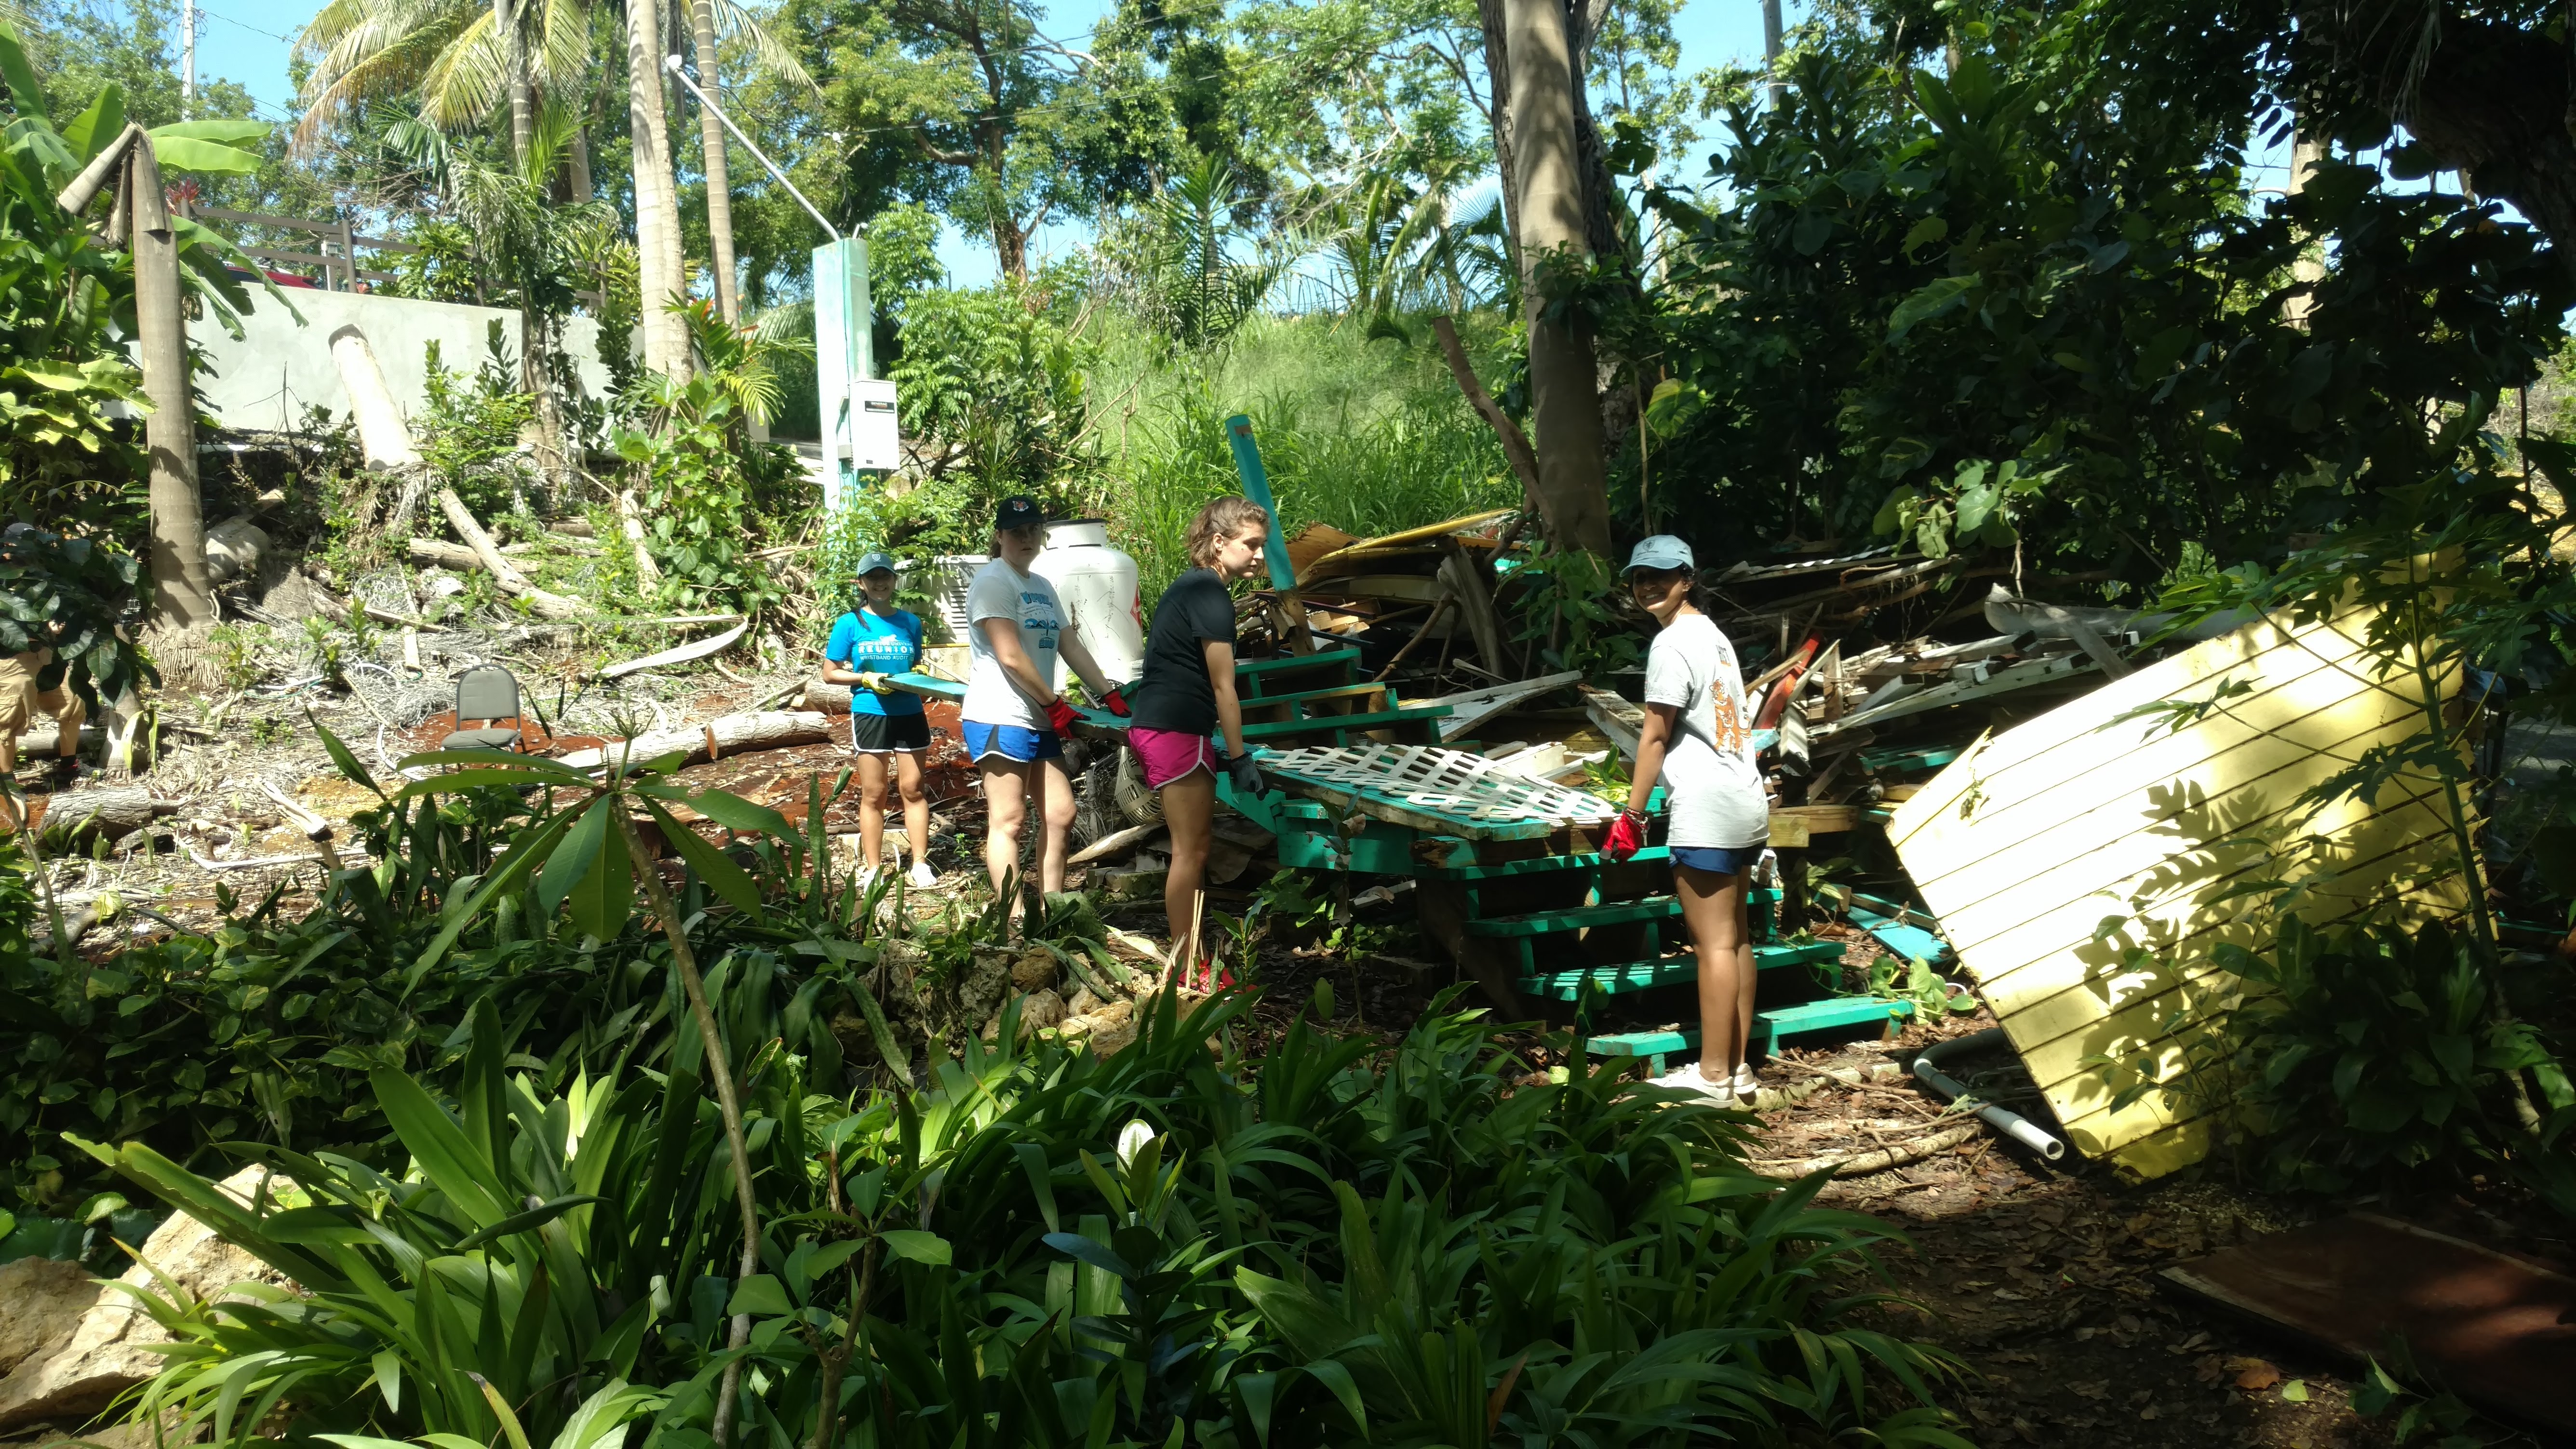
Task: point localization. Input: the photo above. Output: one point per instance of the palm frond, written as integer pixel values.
(733, 22)
(562, 54)
(465, 85)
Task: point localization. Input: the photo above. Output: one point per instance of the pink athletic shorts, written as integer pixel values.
(1170, 754)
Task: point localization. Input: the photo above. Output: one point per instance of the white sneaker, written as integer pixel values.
(867, 877)
(1747, 1085)
(922, 874)
(1687, 1078)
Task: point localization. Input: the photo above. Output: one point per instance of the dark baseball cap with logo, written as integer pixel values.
(1019, 511)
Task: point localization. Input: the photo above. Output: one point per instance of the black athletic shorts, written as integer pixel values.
(885, 734)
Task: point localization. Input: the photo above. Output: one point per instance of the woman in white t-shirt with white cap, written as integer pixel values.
(1698, 742)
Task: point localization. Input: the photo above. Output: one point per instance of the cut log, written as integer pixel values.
(825, 698)
(444, 554)
(384, 440)
(77, 816)
(574, 527)
(632, 519)
(233, 549)
(732, 734)
(46, 743)
(680, 655)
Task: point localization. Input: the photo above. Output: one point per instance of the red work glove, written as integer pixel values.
(1627, 837)
(1060, 715)
(1114, 699)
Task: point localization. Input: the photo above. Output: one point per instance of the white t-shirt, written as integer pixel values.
(1002, 592)
(1710, 783)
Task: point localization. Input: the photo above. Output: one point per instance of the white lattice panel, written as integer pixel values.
(1451, 785)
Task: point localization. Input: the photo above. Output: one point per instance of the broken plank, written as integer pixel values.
(682, 654)
(1475, 706)
(2492, 1328)
(1397, 588)
(1619, 721)
(1960, 691)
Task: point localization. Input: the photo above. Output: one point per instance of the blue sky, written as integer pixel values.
(247, 42)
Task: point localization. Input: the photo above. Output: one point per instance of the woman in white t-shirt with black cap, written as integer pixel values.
(1698, 742)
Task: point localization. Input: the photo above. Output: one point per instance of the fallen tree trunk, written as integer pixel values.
(480, 552)
(732, 734)
(76, 816)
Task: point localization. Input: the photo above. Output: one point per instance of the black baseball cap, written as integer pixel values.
(1019, 511)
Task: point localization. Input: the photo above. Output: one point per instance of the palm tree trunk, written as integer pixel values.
(181, 595)
(514, 56)
(702, 24)
(657, 214)
(1498, 85)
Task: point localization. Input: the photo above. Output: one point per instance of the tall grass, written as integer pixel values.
(1368, 437)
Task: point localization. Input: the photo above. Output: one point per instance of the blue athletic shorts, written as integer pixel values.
(1011, 742)
(1707, 857)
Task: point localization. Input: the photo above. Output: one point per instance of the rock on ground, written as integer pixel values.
(109, 1349)
(41, 1301)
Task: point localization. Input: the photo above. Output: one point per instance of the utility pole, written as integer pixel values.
(1565, 399)
(187, 60)
(1771, 29)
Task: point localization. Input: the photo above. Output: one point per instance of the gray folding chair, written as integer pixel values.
(489, 694)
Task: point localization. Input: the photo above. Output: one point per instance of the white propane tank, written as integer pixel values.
(1097, 582)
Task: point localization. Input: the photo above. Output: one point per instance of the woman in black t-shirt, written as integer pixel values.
(1188, 691)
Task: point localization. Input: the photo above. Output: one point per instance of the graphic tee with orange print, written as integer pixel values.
(1710, 782)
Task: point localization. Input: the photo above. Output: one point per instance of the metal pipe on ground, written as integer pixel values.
(1927, 1068)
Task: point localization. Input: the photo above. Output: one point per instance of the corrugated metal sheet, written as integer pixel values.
(2025, 844)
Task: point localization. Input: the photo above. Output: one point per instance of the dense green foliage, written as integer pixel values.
(77, 598)
(2374, 1055)
(1322, 1243)
(2045, 261)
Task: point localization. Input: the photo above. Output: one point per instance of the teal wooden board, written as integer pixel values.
(1670, 971)
(1577, 918)
(1768, 1028)
(1903, 941)
(1320, 670)
(1538, 865)
(1378, 848)
(930, 686)
(1922, 759)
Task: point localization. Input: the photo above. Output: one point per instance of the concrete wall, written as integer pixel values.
(268, 377)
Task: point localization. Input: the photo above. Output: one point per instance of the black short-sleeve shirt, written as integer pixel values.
(1175, 693)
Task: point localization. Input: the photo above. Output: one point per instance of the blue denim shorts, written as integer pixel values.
(1012, 742)
(1712, 860)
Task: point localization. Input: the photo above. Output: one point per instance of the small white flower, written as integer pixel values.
(1132, 1140)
